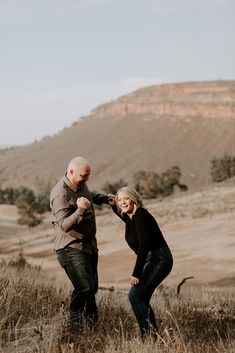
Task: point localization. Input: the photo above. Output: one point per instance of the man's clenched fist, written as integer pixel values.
(83, 202)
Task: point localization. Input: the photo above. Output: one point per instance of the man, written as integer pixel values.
(74, 223)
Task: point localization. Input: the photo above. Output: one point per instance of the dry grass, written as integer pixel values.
(33, 318)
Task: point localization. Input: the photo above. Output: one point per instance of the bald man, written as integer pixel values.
(75, 241)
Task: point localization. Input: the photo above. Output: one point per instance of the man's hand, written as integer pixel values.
(83, 202)
(134, 281)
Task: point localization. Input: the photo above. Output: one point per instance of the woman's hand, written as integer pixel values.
(112, 201)
(134, 281)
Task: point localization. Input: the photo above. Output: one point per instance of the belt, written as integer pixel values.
(73, 244)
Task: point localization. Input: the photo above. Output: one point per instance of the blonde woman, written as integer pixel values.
(154, 260)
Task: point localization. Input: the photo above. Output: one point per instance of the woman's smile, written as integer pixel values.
(125, 203)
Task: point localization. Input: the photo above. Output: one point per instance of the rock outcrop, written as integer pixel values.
(210, 100)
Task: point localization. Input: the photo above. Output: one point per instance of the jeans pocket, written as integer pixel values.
(61, 257)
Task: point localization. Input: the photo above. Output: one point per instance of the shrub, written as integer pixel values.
(8, 196)
(222, 168)
(150, 184)
(28, 209)
(169, 179)
(43, 201)
(113, 188)
(31, 206)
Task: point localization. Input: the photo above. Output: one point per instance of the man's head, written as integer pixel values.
(78, 171)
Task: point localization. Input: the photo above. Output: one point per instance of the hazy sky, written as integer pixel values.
(61, 58)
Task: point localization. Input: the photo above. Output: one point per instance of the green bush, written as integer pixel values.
(8, 196)
(31, 206)
(28, 209)
(151, 185)
(43, 201)
(169, 179)
(148, 184)
(113, 188)
(222, 168)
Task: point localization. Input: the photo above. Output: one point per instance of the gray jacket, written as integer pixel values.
(73, 224)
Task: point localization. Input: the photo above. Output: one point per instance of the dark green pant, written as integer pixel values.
(157, 267)
(81, 269)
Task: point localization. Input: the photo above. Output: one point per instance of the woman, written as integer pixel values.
(154, 260)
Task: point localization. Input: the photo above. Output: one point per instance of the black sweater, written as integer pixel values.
(142, 235)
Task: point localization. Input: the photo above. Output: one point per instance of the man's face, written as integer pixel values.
(80, 176)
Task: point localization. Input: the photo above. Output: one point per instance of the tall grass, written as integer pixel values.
(33, 318)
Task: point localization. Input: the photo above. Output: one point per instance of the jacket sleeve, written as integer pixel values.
(98, 198)
(65, 214)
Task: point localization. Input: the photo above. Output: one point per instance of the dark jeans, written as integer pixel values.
(158, 265)
(81, 269)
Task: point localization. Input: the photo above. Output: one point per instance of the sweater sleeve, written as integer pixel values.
(143, 234)
(122, 216)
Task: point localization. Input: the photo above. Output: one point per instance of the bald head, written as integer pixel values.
(78, 163)
(78, 171)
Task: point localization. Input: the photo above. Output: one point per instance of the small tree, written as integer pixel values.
(28, 209)
(169, 179)
(43, 201)
(232, 166)
(148, 184)
(30, 206)
(8, 196)
(113, 188)
(222, 168)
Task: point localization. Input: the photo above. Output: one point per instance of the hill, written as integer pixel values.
(154, 128)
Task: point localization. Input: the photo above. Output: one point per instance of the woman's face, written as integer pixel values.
(125, 203)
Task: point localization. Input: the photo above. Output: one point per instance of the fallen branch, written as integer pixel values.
(110, 289)
(181, 283)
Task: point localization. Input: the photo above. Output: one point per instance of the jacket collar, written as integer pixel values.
(69, 184)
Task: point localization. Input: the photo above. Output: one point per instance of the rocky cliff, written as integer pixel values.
(209, 100)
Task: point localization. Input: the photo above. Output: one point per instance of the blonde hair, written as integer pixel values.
(132, 194)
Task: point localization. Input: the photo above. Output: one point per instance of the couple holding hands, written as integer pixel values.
(72, 206)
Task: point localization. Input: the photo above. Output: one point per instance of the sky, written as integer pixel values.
(62, 58)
